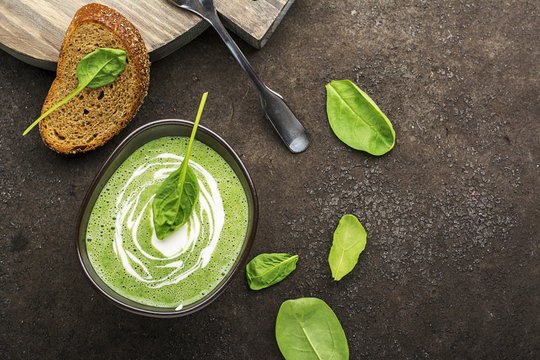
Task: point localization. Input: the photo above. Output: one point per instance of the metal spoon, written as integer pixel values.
(289, 128)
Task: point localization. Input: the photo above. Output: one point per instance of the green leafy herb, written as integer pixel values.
(349, 242)
(266, 270)
(176, 197)
(357, 120)
(97, 69)
(307, 329)
(170, 209)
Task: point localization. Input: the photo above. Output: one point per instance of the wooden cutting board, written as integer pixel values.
(33, 30)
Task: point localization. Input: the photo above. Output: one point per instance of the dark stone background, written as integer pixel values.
(451, 269)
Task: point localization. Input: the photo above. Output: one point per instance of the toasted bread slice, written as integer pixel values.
(95, 115)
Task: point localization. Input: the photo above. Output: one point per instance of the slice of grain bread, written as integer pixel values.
(95, 115)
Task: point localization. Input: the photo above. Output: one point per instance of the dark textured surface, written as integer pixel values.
(451, 268)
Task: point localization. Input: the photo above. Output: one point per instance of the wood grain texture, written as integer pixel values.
(33, 30)
(253, 21)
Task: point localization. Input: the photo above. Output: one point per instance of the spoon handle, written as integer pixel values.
(286, 124)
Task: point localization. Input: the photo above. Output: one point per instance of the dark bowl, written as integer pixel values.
(139, 137)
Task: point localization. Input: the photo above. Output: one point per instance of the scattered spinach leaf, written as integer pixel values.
(265, 270)
(349, 242)
(176, 197)
(357, 120)
(97, 69)
(307, 328)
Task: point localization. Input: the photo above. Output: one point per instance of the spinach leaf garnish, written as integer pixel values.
(97, 69)
(357, 120)
(266, 270)
(307, 328)
(176, 197)
(349, 242)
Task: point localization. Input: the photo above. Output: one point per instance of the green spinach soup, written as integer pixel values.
(186, 265)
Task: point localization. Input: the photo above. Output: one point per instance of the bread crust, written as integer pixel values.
(136, 53)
